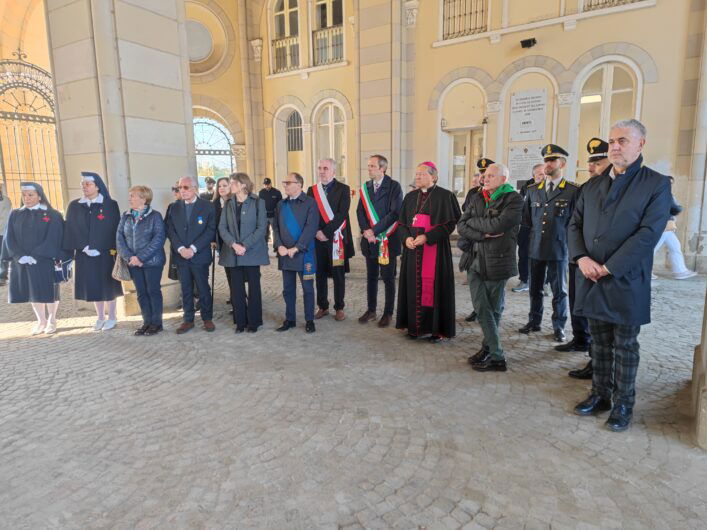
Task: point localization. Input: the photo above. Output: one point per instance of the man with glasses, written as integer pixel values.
(296, 223)
(191, 227)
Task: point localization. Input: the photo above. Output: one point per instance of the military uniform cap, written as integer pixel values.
(552, 151)
(598, 149)
(484, 163)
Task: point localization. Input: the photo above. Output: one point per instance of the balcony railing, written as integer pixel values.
(285, 54)
(590, 5)
(328, 45)
(464, 17)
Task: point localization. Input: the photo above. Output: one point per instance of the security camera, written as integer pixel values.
(528, 43)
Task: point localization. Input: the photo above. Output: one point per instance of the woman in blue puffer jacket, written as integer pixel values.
(140, 241)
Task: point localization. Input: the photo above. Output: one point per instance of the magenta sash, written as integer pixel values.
(429, 262)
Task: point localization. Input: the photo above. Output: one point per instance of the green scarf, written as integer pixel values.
(501, 190)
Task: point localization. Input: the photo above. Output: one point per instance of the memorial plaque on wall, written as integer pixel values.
(521, 159)
(528, 115)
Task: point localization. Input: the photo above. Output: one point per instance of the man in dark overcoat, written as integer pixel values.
(378, 210)
(619, 218)
(333, 241)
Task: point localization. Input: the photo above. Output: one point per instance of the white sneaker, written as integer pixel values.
(521, 287)
(99, 325)
(654, 277)
(38, 328)
(50, 329)
(109, 324)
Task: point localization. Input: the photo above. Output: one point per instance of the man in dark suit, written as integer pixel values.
(619, 218)
(547, 212)
(296, 223)
(334, 243)
(191, 227)
(378, 210)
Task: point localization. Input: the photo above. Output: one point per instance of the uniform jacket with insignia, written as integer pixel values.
(548, 215)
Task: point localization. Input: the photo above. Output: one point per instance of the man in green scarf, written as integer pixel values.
(491, 222)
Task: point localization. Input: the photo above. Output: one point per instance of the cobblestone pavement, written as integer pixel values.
(351, 427)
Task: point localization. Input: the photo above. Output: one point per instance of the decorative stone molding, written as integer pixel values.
(239, 151)
(493, 107)
(224, 62)
(257, 45)
(211, 107)
(466, 72)
(637, 54)
(411, 8)
(565, 99)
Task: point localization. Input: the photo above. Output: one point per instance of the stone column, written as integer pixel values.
(123, 93)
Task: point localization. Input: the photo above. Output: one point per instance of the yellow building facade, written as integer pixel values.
(143, 91)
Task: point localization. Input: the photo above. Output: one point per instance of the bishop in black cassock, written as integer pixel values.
(426, 293)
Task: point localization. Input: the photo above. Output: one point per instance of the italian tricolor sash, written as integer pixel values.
(337, 250)
(373, 219)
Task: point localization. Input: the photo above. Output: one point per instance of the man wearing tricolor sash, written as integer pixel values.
(380, 200)
(334, 243)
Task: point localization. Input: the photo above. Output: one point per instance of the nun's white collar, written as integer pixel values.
(38, 206)
(97, 200)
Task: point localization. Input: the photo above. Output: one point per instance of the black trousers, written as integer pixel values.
(580, 325)
(247, 311)
(557, 278)
(339, 277)
(523, 258)
(387, 272)
(3, 265)
(199, 274)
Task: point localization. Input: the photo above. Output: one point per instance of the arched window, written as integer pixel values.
(331, 137)
(328, 32)
(294, 132)
(285, 38)
(608, 95)
(214, 150)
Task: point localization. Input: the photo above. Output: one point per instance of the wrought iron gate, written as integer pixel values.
(28, 141)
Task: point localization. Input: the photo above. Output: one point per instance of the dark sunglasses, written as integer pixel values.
(175, 189)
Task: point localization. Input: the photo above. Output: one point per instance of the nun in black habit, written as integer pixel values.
(89, 236)
(32, 242)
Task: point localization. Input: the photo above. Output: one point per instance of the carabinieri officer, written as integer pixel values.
(547, 213)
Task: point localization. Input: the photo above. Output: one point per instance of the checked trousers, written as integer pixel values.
(615, 356)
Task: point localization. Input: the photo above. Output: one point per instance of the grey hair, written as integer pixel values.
(536, 166)
(633, 124)
(331, 161)
(193, 180)
(503, 169)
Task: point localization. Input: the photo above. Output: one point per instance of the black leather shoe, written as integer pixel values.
(479, 357)
(572, 345)
(252, 329)
(141, 330)
(153, 330)
(287, 324)
(620, 418)
(490, 365)
(434, 339)
(471, 317)
(592, 405)
(239, 329)
(528, 328)
(309, 326)
(582, 373)
(559, 336)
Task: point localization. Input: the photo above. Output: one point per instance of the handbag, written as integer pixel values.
(63, 270)
(121, 272)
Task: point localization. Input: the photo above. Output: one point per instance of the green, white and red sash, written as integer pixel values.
(337, 250)
(373, 219)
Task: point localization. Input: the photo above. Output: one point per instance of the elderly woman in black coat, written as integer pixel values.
(33, 242)
(243, 250)
(140, 240)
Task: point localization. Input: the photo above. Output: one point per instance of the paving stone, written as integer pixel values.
(353, 426)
